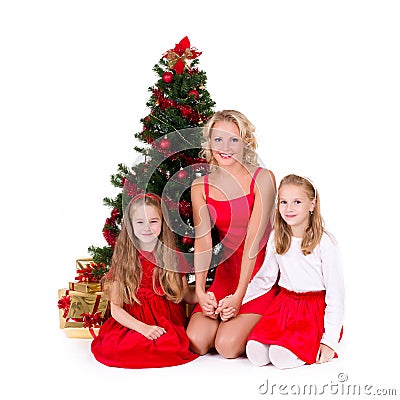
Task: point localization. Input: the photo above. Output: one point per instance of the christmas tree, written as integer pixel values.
(168, 159)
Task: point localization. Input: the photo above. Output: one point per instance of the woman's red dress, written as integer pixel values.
(231, 218)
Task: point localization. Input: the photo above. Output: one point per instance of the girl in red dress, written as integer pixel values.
(237, 197)
(147, 324)
(303, 325)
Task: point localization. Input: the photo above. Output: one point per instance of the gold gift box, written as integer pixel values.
(82, 263)
(85, 287)
(81, 303)
(80, 333)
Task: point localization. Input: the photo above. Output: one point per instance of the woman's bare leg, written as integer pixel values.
(201, 331)
(231, 337)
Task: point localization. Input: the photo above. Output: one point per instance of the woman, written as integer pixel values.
(238, 197)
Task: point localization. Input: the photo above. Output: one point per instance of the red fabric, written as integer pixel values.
(294, 321)
(231, 218)
(118, 346)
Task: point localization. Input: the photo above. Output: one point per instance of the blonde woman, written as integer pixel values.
(237, 197)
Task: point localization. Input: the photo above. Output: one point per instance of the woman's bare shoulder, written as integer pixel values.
(198, 181)
(265, 173)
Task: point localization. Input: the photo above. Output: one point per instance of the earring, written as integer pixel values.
(311, 212)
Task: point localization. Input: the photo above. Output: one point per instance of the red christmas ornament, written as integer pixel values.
(194, 93)
(167, 77)
(188, 241)
(182, 174)
(165, 143)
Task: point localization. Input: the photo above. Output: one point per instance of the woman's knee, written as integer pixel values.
(198, 343)
(230, 346)
(231, 337)
(201, 336)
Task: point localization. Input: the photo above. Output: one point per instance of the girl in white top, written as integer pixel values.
(304, 322)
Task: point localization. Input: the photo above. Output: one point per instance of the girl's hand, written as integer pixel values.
(229, 307)
(152, 332)
(208, 304)
(325, 354)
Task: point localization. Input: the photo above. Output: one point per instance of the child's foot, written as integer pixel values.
(283, 358)
(257, 353)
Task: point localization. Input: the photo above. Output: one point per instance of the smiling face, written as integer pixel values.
(146, 223)
(226, 144)
(294, 208)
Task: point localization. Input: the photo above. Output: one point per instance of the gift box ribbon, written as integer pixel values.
(90, 320)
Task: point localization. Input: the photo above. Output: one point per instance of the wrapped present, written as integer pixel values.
(81, 333)
(89, 271)
(81, 310)
(85, 287)
(82, 263)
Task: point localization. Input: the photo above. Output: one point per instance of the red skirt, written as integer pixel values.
(119, 346)
(294, 321)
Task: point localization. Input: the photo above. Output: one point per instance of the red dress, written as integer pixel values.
(119, 346)
(231, 218)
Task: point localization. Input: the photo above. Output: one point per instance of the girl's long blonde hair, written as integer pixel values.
(315, 228)
(246, 129)
(126, 271)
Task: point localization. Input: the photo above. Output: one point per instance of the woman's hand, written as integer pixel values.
(208, 304)
(152, 332)
(229, 307)
(325, 354)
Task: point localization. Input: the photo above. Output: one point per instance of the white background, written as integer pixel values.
(320, 81)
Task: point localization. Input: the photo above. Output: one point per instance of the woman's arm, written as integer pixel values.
(202, 246)
(266, 276)
(260, 216)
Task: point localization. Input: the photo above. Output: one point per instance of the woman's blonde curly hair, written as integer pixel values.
(246, 130)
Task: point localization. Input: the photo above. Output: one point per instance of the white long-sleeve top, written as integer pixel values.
(320, 270)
